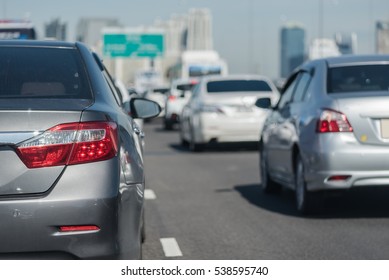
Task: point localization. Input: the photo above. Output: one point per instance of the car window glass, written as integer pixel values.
(202, 70)
(42, 73)
(195, 91)
(287, 94)
(237, 86)
(114, 90)
(358, 78)
(301, 88)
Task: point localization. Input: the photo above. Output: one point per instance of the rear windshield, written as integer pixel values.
(17, 33)
(358, 78)
(42, 73)
(237, 85)
(202, 70)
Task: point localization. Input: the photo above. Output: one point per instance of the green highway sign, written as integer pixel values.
(133, 45)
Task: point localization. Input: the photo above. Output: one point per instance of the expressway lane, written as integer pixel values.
(210, 203)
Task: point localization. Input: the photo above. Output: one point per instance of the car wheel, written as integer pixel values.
(267, 184)
(193, 146)
(168, 125)
(141, 251)
(184, 142)
(306, 201)
(143, 229)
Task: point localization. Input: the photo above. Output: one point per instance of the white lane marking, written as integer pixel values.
(150, 194)
(170, 247)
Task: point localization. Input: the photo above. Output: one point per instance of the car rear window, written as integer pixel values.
(358, 78)
(42, 73)
(237, 85)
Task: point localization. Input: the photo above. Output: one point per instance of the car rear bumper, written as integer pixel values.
(228, 129)
(31, 228)
(363, 165)
(174, 108)
(322, 180)
(30, 225)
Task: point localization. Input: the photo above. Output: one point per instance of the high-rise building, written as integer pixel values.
(174, 29)
(55, 30)
(89, 29)
(382, 37)
(292, 48)
(199, 31)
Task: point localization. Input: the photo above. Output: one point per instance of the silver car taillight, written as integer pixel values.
(333, 121)
(71, 143)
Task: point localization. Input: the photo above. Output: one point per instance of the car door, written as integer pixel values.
(281, 133)
(188, 112)
(292, 124)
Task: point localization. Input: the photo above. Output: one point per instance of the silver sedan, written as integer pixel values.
(72, 174)
(330, 129)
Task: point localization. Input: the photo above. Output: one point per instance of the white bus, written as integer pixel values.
(197, 63)
(16, 29)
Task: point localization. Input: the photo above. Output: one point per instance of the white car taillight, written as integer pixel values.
(333, 121)
(69, 144)
(172, 97)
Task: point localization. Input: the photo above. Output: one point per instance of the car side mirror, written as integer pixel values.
(263, 103)
(141, 108)
(182, 94)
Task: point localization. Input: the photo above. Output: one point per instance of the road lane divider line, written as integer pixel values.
(150, 194)
(170, 247)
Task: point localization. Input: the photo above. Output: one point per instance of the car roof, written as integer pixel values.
(356, 59)
(234, 77)
(36, 43)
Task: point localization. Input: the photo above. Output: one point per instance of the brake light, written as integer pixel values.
(78, 228)
(69, 144)
(339, 178)
(333, 121)
(172, 97)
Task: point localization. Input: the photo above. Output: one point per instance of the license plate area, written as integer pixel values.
(385, 128)
(244, 109)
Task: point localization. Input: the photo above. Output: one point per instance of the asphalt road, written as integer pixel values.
(210, 206)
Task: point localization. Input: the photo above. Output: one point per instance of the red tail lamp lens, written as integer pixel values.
(339, 178)
(78, 228)
(68, 144)
(332, 121)
(172, 97)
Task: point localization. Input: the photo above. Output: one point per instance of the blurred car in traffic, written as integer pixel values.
(72, 176)
(126, 94)
(147, 79)
(222, 109)
(178, 96)
(158, 94)
(329, 131)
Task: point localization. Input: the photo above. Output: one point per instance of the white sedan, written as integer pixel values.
(222, 109)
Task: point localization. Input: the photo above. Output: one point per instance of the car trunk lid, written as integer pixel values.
(368, 115)
(18, 125)
(238, 103)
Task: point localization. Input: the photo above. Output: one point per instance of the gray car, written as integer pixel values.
(71, 176)
(330, 129)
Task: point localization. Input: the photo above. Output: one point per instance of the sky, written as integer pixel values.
(246, 32)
